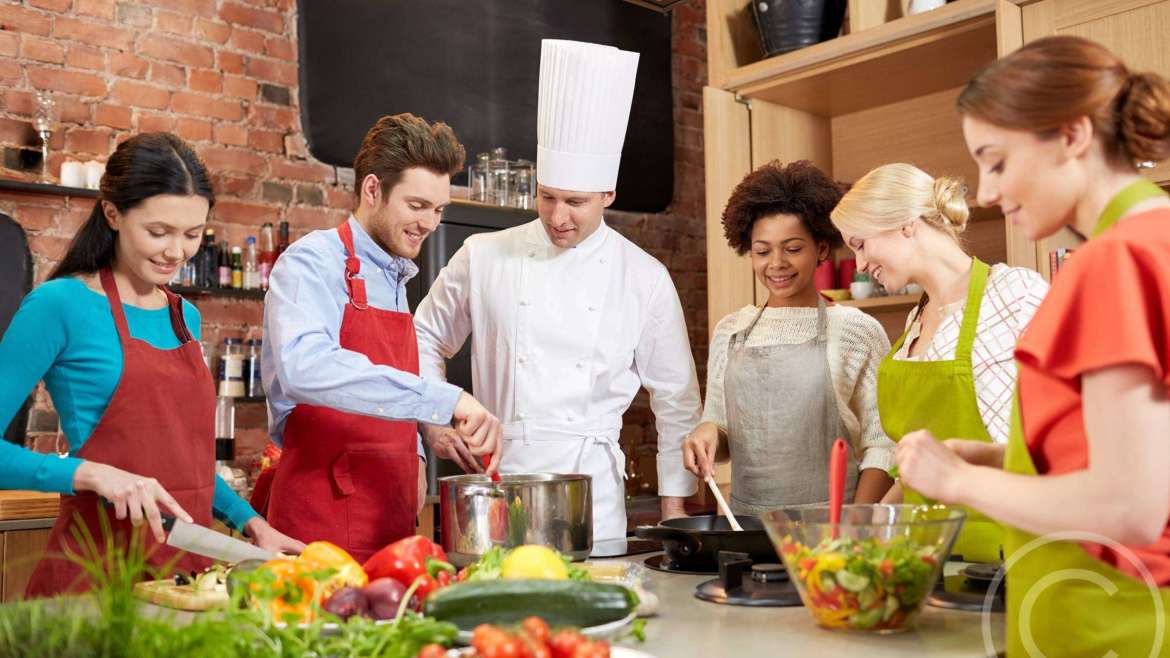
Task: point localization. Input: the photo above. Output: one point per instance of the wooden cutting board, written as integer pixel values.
(181, 597)
(16, 505)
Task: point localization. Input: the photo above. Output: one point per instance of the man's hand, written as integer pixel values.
(445, 443)
(479, 429)
(672, 507)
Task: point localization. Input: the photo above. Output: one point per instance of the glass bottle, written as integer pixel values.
(267, 253)
(225, 428)
(251, 265)
(282, 241)
(477, 178)
(209, 260)
(253, 384)
(498, 175)
(231, 368)
(225, 265)
(237, 268)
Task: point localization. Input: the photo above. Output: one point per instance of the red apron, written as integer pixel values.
(347, 478)
(160, 423)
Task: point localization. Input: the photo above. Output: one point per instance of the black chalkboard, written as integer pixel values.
(475, 64)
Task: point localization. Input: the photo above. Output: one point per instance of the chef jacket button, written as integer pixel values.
(434, 416)
(379, 409)
(602, 261)
(569, 417)
(520, 416)
(524, 302)
(592, 308)
(522, 359)
(532, 254)
(580, 364)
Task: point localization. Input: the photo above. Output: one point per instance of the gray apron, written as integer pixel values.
(782, 419)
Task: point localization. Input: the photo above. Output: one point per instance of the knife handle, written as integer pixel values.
(168, 521)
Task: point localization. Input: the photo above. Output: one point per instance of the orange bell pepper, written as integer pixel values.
(288, 591)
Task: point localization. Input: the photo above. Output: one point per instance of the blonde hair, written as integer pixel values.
(893, 194)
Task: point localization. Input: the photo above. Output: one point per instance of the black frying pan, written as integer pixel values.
(694, 542)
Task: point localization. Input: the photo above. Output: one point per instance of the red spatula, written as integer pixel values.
(487, 459)
(837, 482)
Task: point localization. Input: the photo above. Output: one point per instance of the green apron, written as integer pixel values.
(940, 396)
(1058, 599)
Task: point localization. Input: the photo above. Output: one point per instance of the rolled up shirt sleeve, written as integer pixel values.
(307, 365)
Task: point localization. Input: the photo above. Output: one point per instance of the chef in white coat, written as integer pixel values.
(568, 318)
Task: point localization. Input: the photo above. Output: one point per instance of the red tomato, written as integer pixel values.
(589, 649)
(564, 643)
(433, 651)
(536, 629)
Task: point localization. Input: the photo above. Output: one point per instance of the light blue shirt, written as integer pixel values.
(304, 362)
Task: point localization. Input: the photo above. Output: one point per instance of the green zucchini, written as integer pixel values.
(559, 602)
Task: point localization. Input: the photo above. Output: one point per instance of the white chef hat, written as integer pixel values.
(585, 95)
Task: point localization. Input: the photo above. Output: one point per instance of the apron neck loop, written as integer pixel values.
(115, 300)
(975, 289)
(1127, 198)
(355, 285)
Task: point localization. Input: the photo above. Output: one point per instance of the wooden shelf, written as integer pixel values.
(905, 58)
(238, 293)
(30, 187)
(888, 302)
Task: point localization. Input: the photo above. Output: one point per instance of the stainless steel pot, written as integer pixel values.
(554, 510)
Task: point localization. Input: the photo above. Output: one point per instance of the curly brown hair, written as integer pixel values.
(798, 188)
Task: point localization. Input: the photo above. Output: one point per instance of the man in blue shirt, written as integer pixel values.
(341, 357)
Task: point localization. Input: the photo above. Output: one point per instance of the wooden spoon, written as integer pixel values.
(723, 504)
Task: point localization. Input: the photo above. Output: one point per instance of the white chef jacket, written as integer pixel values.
(562, 340)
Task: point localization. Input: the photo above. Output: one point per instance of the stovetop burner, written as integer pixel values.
(967, 590)
(662, 563)
(765, 584)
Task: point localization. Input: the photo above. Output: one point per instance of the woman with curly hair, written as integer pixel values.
(786, 379)
(957, 351)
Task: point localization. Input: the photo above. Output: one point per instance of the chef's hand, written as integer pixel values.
(980, 453)
(479, 429)
(699, 450)
(271, 539)
(422, 485)
(445, 443)
(136, 496)
(672, 507)
(929, 467)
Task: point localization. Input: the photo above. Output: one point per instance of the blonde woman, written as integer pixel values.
(952, 371)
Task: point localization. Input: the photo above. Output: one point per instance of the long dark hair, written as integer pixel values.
(141, 167)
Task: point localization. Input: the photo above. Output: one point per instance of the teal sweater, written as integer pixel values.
(64, 333)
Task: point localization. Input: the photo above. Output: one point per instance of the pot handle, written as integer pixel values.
(679, 542)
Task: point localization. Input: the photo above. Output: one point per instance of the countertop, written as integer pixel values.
(686, 626)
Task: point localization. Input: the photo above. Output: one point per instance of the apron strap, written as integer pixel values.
(742, 335)
(1130, 196)
(975, 289)
(115, 301)
(175, 305)
(353, 266)
(822, 321)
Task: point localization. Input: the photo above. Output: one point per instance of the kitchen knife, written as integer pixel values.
(209, 543)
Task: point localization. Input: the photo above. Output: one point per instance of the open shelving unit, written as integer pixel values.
(878, 95)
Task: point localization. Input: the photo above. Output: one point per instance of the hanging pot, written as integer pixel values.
(787, 25)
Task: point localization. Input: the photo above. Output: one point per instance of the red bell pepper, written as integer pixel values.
(411, 559)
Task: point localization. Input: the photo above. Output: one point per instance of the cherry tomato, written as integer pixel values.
(536, 629)
(433, 651)
(564, 643)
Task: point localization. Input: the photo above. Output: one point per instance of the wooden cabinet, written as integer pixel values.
(20, 550)
(1134, 29)
(881, 94)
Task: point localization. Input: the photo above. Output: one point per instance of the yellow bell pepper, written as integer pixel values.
(288, 592)
(321, 555)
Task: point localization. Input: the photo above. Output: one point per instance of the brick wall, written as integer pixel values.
(222, 74)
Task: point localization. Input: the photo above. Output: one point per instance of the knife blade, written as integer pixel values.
(209, 543)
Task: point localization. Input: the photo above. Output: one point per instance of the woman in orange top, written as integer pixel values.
(1057, 129)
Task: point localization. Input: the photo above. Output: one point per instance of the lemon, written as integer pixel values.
(530, 561)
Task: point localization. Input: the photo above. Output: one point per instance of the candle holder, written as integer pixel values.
(44, 122)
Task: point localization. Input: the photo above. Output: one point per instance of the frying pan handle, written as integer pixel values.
(677, 542)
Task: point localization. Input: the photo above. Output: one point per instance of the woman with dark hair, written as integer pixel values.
(120, 357)
(786, 379)
(1058, 128)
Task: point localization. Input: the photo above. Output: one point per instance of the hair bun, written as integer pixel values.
(1144, 117)
(950, 200)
